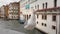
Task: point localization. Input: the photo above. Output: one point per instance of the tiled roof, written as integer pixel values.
(47, 9)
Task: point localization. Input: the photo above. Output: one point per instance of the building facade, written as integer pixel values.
(6, 8)
(47, 14)
(48, 20)
(2, 11)
(13, 10)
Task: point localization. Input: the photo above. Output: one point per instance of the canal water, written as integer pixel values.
(15, 25)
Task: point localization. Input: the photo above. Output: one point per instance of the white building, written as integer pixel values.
(47, 14)
(13, 10)
(2, 10)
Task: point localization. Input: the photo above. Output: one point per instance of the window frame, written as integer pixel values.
(43, 5)
(44, 17)
(53, 27)
(54, 18)
(37, 15)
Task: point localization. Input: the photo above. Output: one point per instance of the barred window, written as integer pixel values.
(44, 17)
(54, 17)
(54, 27)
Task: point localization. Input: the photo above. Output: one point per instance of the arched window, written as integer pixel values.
(43, 5)
(55, 3)
(46, 4)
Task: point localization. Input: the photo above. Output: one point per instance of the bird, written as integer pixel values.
(31, 23)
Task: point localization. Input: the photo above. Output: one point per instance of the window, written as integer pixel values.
(38, 6)
(37, 22)
(27, 6)
(54, 18)
(29, 16)
(45, 24)
(44, 17)
(55, 3)
(43, 5)
(11, 13)
(54, 27)
(46, 4)
(12, 17)
(37, 15)
(35, 6)
(25, 16)
(42, 24)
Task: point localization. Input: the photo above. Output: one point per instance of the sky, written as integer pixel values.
(4, 2)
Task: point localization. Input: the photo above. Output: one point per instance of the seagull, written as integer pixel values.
(31, 23)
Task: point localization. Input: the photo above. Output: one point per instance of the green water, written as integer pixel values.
(15, 25)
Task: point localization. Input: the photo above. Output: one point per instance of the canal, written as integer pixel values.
(15, 25)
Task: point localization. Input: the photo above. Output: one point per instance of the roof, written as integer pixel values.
(14, 3)
(48, 9)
